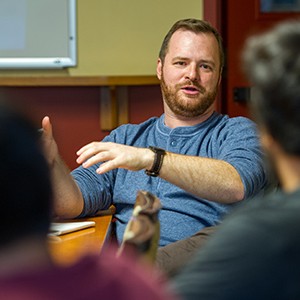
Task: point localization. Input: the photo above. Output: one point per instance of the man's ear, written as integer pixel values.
(220, 77)
(159, 69)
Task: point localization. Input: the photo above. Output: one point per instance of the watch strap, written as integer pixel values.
(158, 161)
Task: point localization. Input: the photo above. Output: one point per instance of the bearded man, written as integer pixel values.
(198, 162)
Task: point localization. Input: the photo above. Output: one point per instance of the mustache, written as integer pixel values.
(191, 84)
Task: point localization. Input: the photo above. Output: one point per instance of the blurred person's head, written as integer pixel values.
(272, 62)
(25, 188)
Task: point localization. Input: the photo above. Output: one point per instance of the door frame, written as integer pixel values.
(212, 12)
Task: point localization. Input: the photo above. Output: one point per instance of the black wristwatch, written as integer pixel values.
(158, 160)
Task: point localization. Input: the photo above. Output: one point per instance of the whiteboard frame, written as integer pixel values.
(49, 62)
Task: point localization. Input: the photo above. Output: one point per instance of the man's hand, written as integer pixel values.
(113, 156)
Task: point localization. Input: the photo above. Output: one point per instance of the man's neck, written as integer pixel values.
(24, 256)
(173, 121)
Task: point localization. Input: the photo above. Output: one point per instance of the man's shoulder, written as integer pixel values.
(129, 133)
(236, 121)
(218, 120)
(140, 126)
(223, 125)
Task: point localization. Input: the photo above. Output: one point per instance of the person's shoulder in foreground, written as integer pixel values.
(93, 277)
(253, 255)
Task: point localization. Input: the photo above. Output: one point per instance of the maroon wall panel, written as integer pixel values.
(75, 111)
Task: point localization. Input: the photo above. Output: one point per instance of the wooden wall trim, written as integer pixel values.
(78, 81)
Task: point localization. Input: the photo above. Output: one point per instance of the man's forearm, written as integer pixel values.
(207, 178)
(68, 201)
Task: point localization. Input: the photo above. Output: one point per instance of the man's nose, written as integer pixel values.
(192, 73)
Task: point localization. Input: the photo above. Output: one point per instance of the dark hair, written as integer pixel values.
(196, 26)
(272, 63)
(25, 188)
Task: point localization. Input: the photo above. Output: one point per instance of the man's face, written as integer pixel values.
(190, 74)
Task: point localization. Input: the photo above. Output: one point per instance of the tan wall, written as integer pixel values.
(121, 37)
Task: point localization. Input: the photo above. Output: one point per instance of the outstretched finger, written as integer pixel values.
(46, 126)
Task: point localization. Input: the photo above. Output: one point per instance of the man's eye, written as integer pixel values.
(205, 67)
(180, 63)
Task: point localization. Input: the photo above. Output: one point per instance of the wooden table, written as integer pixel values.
(68, 248)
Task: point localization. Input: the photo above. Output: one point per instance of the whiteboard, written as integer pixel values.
(37, 34)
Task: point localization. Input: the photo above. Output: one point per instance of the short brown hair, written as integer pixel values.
(196, 26)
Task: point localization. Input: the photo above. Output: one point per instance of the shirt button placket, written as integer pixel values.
(173, 143)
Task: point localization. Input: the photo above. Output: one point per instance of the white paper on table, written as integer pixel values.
(63, 228)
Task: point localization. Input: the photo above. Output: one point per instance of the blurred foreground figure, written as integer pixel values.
(26, 268)
(255, 252)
